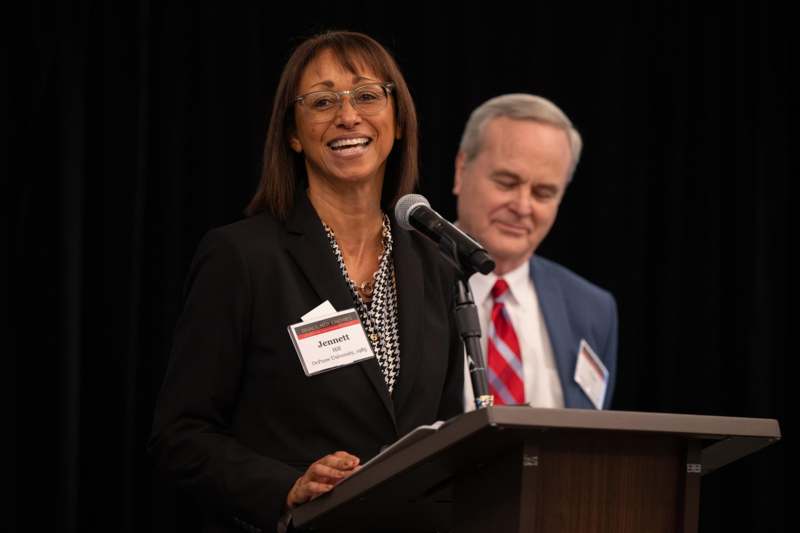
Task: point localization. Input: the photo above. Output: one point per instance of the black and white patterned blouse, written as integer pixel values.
(379, 315)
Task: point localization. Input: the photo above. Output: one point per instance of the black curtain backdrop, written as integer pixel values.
(143, 128)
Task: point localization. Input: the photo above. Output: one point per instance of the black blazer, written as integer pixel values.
(237, 421)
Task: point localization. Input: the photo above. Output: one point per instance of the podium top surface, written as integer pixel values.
(724, 440)
(694, 426)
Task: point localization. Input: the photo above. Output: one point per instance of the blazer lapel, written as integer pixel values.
(411, 298)
(562, 339)
(308, 245)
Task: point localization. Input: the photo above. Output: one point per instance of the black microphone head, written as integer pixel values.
(404, 207)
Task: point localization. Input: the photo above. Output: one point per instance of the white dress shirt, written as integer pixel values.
(542, 384)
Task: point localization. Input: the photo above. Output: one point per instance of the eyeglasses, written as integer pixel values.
(367, 99)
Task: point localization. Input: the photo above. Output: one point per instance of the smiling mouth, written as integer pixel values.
(512, 228)
(348, 144)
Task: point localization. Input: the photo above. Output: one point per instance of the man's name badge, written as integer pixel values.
(331, 341)
(591, 374)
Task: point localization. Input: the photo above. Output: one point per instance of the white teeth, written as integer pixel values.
(349, 142)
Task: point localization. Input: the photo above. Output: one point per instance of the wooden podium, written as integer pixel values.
(522, 469)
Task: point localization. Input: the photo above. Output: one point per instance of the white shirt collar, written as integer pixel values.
(518, 282)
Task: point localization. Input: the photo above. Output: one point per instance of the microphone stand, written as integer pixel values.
(466, 314)
(469, 327)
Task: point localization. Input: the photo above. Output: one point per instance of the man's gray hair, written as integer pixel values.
(519, 106)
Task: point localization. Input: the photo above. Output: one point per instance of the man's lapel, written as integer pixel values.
(552, 304)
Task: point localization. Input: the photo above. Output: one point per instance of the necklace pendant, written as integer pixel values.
(367, 288)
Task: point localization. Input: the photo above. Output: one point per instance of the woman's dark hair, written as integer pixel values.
(283, 168)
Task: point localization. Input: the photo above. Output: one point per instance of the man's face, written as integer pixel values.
(508, 195)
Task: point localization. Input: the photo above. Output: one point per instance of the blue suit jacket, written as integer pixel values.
(574, 309)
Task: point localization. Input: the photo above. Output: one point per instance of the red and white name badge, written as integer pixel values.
(591, 374)
(327, 342)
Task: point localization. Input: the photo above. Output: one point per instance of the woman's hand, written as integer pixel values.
(321, 477)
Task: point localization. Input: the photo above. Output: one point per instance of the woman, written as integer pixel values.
(238, 422)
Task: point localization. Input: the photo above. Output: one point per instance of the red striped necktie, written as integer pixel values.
(504, 370)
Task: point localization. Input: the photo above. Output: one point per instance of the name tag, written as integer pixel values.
(591, 374)
(330, 341)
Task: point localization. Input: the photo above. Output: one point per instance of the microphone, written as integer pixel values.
(414, 212)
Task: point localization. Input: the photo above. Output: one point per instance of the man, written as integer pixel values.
(549, 336)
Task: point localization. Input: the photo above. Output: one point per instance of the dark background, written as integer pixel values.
(143, 127)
